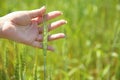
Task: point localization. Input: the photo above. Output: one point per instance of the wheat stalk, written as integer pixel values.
(45, 40)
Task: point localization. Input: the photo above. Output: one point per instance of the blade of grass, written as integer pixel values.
(35, 70)
(6, 64)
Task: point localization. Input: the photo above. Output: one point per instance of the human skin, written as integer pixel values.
(24, 26)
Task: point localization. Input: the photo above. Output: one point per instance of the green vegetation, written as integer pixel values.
(90, 51)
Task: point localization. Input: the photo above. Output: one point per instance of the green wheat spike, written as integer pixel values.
(45, 40)
(45, 37)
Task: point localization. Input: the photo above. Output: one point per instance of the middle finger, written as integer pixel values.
(49, 16)
(54, 25)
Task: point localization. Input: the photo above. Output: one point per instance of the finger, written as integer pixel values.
(39, 45)
(53, 14)
(56, 24)
(56, 36)
(49, 16)
(53, 25)
(37, 12)
(51, 37)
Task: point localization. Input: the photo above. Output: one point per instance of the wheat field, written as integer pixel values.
(90, 50)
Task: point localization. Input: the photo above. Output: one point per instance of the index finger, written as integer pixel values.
(49, 16)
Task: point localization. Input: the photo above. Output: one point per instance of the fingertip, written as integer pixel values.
(61, 12)
(66, 22)
(43, 7)
(62, 35)
(58, 12)
(63, 21)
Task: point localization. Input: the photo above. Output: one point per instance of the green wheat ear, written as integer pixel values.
(45, 36)
(45, 40)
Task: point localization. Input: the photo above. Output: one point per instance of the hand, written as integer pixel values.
(23, 26)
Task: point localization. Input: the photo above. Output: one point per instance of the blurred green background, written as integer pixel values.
(90, 50)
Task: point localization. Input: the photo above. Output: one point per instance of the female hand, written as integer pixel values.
(23, 26)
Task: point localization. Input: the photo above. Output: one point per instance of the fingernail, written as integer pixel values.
(61, 13)
(66, 22)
